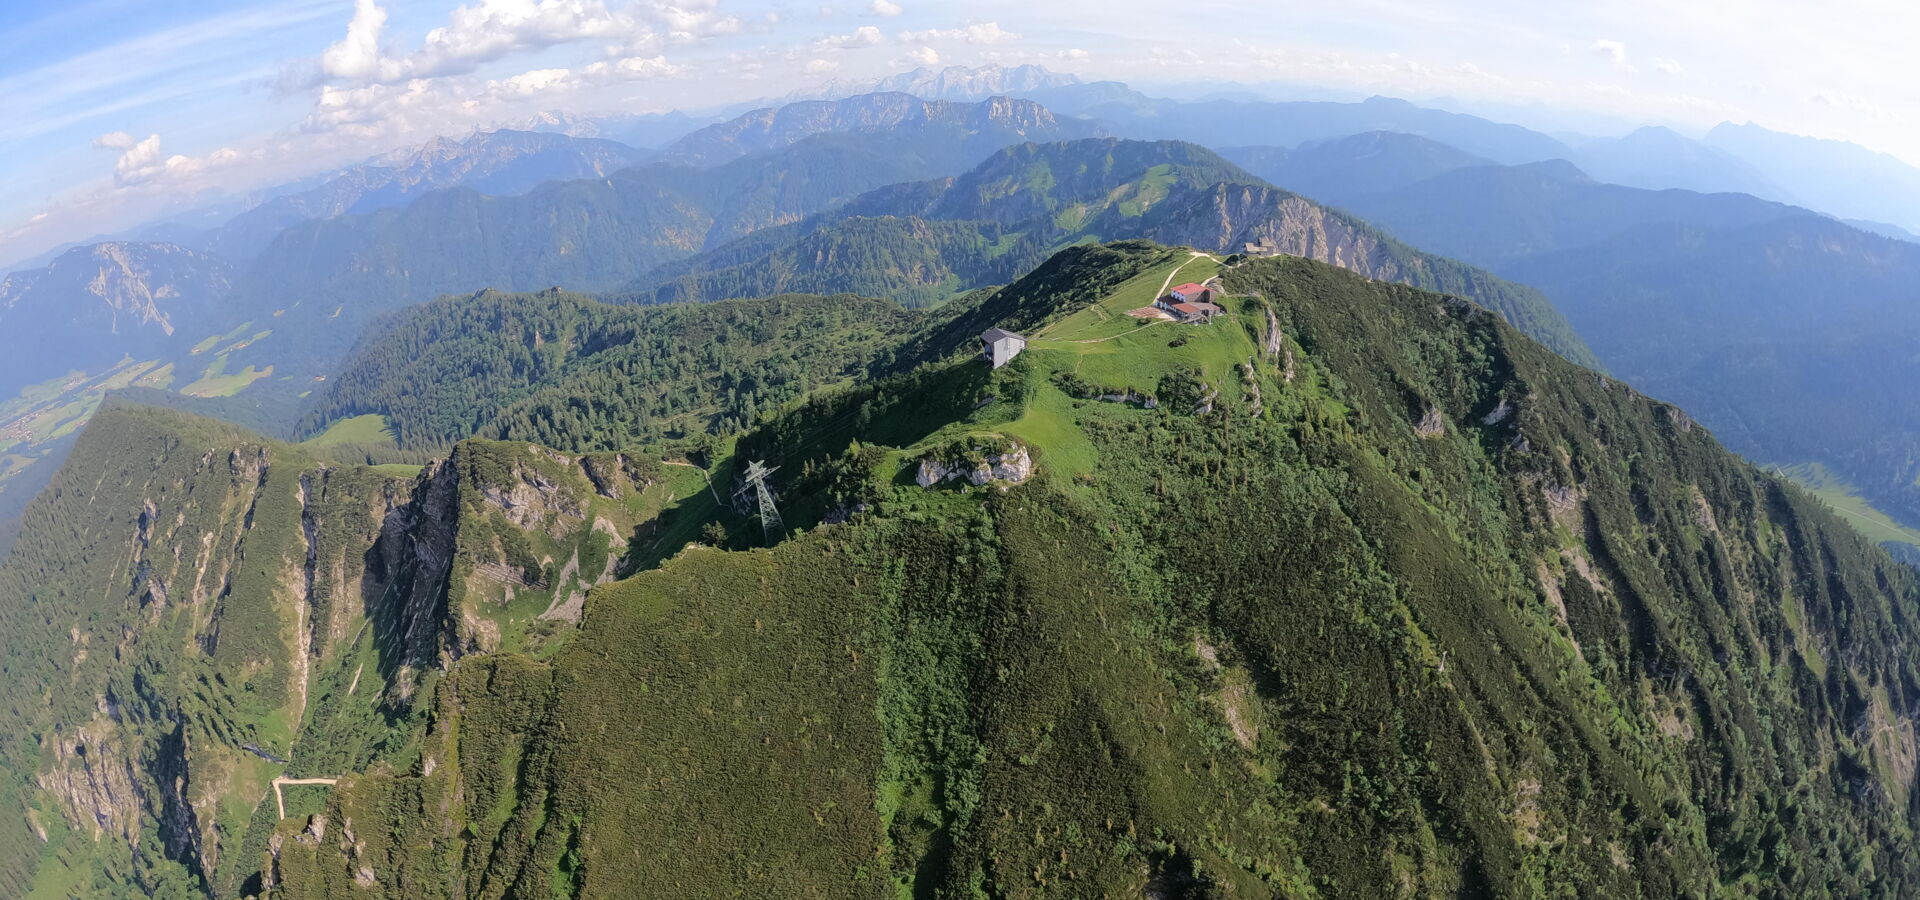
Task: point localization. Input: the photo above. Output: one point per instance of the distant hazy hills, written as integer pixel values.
(94, 305)
(499, 162)
(1227, 123)
(1835, 177)
(1656, 158)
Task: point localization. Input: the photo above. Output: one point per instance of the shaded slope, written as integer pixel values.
(94, 305)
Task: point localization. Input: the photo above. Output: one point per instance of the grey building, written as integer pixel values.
(1002, 346)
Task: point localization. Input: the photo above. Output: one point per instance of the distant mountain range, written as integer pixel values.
(1658, 158)
(501, 163)
(947, 133)
(1835, 177)
(1841, 179)
(949, 83)
(1228, 123)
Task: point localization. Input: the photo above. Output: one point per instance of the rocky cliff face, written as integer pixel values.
(223, 610)
(1231, 217)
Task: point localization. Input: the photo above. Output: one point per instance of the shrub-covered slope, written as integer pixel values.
(1355, 592)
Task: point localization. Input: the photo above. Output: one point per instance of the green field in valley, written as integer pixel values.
(367, 429)
(1846, 500)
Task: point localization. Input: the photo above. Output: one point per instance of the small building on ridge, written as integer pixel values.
(1002, 346)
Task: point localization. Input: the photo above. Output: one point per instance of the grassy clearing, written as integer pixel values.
(215, 340)
(1108, 318)
(396, 470)
(1845, 500)
(216, 382)
(368, 429)
(1103, 347)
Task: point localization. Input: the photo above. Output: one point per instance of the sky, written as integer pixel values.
(115, 112)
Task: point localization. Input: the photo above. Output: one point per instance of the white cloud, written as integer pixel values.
(490, 29)
(885, 8)
(925, 56)
(864, 36)
(1669, 67)
(371, 110)
(486, 30)
(1612, 51)
(633, 68)
(1846, 101)
(142, 163)
(819, 66)
(982, 33)
(114, 140)
(450, 104)
(357, 57)
(535, 82)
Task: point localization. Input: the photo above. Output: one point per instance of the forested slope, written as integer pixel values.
(570, 372)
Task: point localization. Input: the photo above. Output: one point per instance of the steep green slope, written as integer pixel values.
(1790, 337)
(1375, 598)
(1781, 328)
(920, 243)
(569, 372)
(192, 612)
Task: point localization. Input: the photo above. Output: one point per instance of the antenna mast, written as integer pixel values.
(770, 523)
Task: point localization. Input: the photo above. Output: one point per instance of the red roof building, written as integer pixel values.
(1191, 292)
(1194, 312)
(1189, 303)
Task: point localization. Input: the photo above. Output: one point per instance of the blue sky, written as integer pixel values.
(113, 111)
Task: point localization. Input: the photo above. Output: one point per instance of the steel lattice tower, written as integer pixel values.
(770, 523)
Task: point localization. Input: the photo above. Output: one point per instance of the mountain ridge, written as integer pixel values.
(912, 241)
